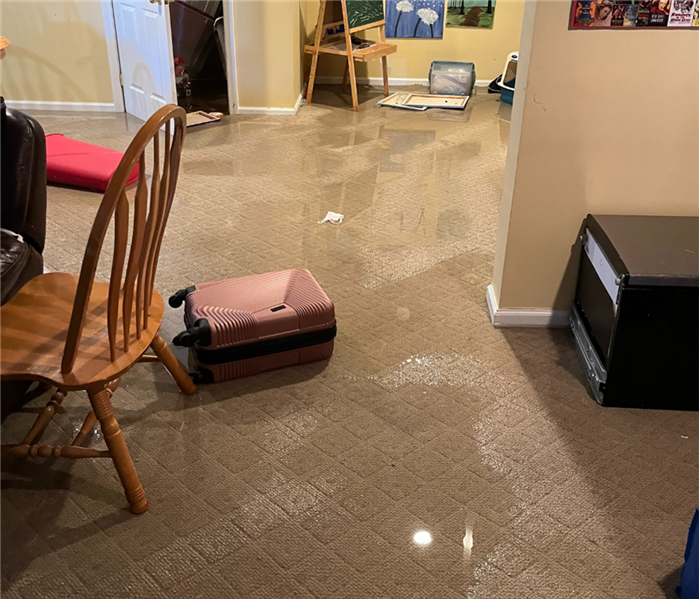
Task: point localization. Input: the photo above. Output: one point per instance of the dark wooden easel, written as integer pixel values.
(331, 15)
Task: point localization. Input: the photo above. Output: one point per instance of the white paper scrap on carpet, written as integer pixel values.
(332, 217)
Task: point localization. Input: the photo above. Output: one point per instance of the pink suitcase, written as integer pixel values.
(240, 327)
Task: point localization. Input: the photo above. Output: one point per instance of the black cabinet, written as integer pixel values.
(635, 318)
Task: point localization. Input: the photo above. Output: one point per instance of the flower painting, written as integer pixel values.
(415, 18)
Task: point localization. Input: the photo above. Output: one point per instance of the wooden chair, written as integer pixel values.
(75, 334)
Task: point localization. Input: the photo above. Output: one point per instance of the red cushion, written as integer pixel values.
(80, 164)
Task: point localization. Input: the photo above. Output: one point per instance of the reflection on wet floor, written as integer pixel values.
(432, 457)
(436, 369)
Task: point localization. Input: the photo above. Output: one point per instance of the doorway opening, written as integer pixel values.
(171, 52)
(198, 47)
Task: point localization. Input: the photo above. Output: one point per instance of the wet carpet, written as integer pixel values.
(314, 481)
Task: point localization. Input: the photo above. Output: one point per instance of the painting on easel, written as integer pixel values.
(338, 20)
(415, 18)
(470, 13)
(364, 12)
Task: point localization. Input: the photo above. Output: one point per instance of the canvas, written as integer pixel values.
(415, 18)
(470, 13)
(364, 12)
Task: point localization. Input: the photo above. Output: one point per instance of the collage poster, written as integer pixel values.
(617, 14)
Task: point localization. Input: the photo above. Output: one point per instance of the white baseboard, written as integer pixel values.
(508, 317)
(66, 106)
(378, 81)
(373, 81)
(266, 110)
(272, 111)
(300, 100)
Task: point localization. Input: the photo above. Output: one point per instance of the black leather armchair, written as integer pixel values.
(23, 200)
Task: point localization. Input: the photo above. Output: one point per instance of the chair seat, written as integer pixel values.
(35, 327)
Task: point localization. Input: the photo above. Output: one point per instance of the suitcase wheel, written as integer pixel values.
(185, 339)
(202, 376)
(177, 299)
(200, 333)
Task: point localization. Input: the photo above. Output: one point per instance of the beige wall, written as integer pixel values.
(267, 52)
(487, 48)
(608, 123)
(58, 52)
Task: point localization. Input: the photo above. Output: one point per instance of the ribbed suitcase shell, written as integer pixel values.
(257, 309)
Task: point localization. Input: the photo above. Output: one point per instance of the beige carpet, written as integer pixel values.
(312, 481)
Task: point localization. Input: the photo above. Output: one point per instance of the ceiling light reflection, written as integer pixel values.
(468, 541)
(422, 537)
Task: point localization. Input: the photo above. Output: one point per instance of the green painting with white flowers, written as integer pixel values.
(415, 18)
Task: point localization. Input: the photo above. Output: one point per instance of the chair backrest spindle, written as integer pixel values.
(144, 301)
(153, 220)
(167, 193)
(169, 180)
(149, 220)
(121, 231)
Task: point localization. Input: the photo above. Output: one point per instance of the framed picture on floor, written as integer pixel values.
(415, 18)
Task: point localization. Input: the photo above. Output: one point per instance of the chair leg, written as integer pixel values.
(173, 366)
(45, 416)
(87, 426)
(102, 406)
(91, 419)
(384, 67)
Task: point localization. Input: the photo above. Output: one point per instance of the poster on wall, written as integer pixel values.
(681, 13)
(624, 14)
(470, 13)
(415, 18)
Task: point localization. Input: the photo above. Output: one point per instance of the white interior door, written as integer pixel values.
(145, 53)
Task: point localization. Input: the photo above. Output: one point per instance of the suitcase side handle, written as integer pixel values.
(177, 299)
(200, 333)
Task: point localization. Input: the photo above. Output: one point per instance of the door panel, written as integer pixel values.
(145, 54)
